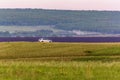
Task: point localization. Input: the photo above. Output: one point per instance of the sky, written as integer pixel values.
(63, 4)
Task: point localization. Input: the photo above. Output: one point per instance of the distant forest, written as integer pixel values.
(93, 21)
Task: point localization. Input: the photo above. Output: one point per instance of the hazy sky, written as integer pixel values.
(63, 4)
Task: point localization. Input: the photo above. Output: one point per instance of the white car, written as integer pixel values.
(44, 40)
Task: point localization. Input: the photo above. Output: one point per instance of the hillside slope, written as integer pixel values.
(105, 22)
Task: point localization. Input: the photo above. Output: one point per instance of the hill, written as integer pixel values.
(71, 23)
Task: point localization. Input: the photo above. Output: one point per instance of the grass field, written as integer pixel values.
(59, 61)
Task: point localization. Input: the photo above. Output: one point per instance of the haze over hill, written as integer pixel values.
(47, 23)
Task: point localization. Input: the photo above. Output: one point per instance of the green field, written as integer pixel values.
(59, 61)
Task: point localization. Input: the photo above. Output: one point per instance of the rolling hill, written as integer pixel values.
(67, 22)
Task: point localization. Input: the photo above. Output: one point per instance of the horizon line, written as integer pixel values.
(64, 9)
